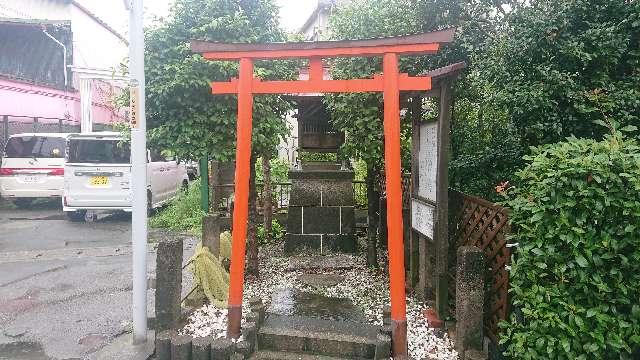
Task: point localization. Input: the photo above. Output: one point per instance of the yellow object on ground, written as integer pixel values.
(210, 278)
(225, 245)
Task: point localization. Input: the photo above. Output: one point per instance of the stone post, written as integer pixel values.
(181, 347)
(221, 349)
(211, 233)
(168, 283)
(163, 344)
(201, 348)
(469, 299)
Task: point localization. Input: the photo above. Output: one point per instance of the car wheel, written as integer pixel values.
(22, 203)
(76, 216)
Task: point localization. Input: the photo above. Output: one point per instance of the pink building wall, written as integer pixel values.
(24, 100)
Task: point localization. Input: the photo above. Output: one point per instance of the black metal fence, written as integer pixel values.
(12, 124)
(281, 193)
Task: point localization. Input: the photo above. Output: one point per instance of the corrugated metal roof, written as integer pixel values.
(27, 53)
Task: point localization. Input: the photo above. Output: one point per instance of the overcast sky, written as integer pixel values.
(293, 13)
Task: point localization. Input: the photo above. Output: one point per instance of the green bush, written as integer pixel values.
(183, 213)
(277, 233)
(575, 278)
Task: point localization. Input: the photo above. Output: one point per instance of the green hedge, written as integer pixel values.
(575, 279)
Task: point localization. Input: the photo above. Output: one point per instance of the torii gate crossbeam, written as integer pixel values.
(390, 83)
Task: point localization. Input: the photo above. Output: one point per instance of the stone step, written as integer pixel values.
(306, 335)
(280, 355)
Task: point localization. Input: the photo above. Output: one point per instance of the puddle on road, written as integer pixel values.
(22, 351)
(288, 301)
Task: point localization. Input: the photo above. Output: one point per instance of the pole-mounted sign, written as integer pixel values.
(134, 105)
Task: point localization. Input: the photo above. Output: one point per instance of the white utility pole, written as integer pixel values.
(138, 172)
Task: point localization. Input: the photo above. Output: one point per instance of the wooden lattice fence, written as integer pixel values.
(478, 222)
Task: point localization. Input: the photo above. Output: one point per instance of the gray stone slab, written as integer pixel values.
(299, 242)
(347, 220)
(293, 302)
(321, 280)
(321, 262)
(318, 336)
(122, 347)
(321, 220)
(294, 220)
(339, 243)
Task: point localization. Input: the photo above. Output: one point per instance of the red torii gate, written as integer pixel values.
(390, 83)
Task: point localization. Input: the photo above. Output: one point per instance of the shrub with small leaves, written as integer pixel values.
(575, 279)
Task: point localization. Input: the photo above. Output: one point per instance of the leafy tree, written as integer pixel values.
(560, 65)
(484, 145)
(182, 114)
(360, 114)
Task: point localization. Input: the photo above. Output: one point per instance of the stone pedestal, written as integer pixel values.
(321, 211)
(469, 299)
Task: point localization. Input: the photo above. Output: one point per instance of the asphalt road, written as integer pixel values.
(65, 288)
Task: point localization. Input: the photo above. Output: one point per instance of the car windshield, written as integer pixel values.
(98, 151)
(35, 147)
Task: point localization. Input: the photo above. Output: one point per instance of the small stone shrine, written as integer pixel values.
(321, 207)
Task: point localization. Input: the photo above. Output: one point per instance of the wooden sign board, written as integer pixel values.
(423, 218)
(423, 203)
(428, 160)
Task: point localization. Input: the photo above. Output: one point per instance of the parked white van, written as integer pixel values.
(98, 175)
(32, 167)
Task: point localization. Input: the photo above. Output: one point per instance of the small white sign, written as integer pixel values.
(428, 160)
(423, 218)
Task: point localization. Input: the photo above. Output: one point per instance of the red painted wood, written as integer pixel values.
(394, 198)
(241, 206)
(315, 68)
(430, 48)
(405, 83)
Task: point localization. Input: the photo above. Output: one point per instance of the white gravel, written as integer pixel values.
(367, 289)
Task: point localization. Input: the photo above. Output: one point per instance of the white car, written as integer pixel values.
(98, 175)
(32, 167)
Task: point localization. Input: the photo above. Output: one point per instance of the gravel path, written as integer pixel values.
(367, 289)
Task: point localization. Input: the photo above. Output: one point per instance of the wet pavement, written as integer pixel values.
(293, 302)
(65, 288)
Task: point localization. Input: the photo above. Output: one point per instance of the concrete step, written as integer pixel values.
(306, 335)
(280, 355)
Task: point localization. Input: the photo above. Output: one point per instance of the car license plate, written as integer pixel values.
(99, 181)
(30, 179)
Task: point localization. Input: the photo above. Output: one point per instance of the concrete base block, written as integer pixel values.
(383, 347)
(250, 333)
(201, 348)
(244, 348)
(163, 344)
(181, 347)
(221, 349)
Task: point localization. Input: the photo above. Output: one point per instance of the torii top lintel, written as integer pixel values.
(424, 43)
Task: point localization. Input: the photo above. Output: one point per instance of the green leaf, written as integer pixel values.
(582, 261)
